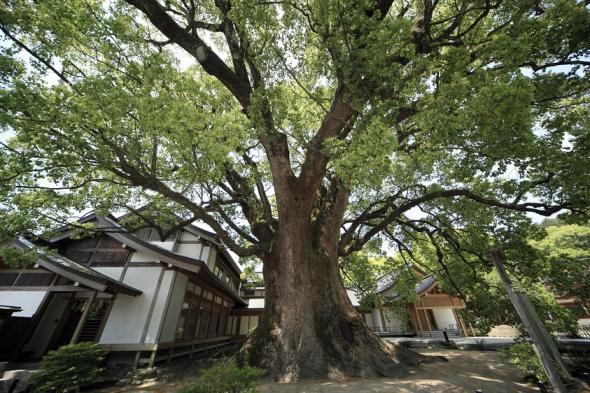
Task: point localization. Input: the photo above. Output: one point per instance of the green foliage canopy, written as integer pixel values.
(470, 114)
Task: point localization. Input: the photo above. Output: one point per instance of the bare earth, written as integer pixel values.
(465, 371)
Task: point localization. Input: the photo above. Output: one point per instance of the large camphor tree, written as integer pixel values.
(300, 131)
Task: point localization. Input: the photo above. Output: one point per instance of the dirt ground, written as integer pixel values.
(465, 371)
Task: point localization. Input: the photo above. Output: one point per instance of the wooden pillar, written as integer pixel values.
(152, 358)
(82, 320)
(542, 343)
(419, 321)
(460, 320)
(383, 322)
(427, 322)
(472, 331)
(412, 318)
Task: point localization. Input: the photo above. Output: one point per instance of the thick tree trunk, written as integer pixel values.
(309, 328)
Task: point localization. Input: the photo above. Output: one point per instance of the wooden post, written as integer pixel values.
(419, 321)
(460, 320)
(542, 343)
(427, 321)
(472, 331)
(383, 321)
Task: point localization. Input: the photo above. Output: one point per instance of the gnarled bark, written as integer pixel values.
(309, 328)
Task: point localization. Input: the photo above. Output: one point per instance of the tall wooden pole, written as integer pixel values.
(542, 343)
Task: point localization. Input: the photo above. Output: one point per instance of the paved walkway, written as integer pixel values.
(465, 371)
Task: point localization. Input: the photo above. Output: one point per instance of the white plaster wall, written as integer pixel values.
(166, 245)
(210, 257)
(187, 236)
(444, 317)
(189, 250)
(369, 320)
(377, 319)
(29, 301)
(159, 308)
(393, 321)
(112, 272)
(244, 325)
(174, 308)
(129, 313)
(205, 254)
(139, 256)
(46, 328)
(253, 322)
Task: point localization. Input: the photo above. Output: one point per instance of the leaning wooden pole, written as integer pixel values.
(543, 344)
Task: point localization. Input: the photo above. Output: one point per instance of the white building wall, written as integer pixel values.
(165, 245)
(159, 310)
(244, 320)
(369, 320)
(139, 256)
(444, 317)
(29, 301)
(128, 316)
(190, 250)
(378, 325)
(187, 236)
(112, 272)
(174, 308)
(393, 322)
(211, 258)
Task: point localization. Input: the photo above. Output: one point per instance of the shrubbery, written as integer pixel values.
(523, 357)
(226, 377)
(70, 366)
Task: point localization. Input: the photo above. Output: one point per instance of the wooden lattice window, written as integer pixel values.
(7, 279)
(111, 257)
(101, 251)
(80, 256)
(34, 280)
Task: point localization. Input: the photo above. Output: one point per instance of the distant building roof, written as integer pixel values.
(388, 281)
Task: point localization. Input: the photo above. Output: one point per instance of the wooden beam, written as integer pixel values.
(383, 321)
(460, 320)
(419, 321)
(427, 322)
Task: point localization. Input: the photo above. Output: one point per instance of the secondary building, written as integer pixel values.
(142, 298)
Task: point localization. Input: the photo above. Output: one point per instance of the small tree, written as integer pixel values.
(70, 366)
